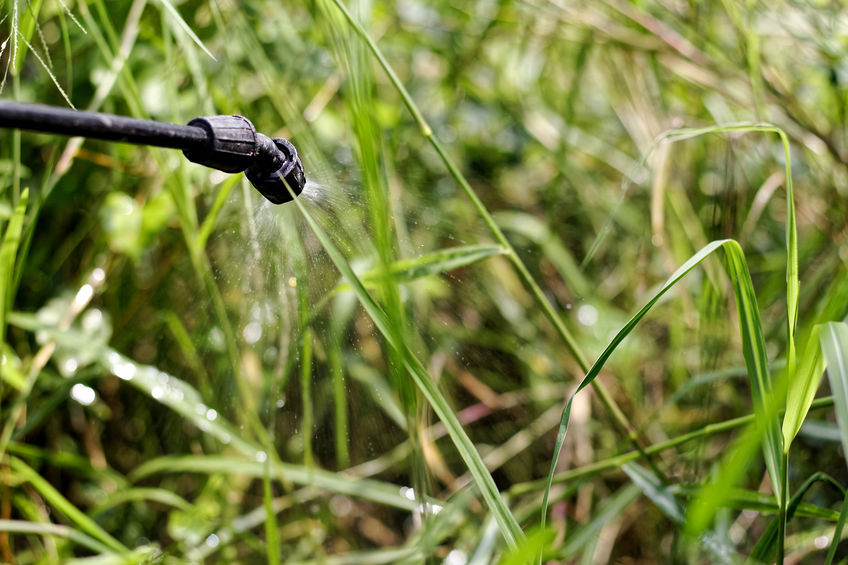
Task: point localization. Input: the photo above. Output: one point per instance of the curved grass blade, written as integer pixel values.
(610, 510)
(753, 347)
(181, 23)
(367, 489)
(435, 263)
(837, 532)
(143, 494)
(768, 544)
(661, 495)
(57, 530)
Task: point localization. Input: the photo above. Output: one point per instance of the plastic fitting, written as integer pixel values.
(233, 145)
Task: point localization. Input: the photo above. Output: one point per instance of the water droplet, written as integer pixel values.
(84, 294)
(408, 493)
(157, 392)
(340, 505)
(456, 557)
(587, 315)
(281, 402)
(123, 369)
(261, 456)
(211, 414)
(252, 332)
(98, 275)
(212, 540)
(92, 320)
(225, 439)
(821, 542)
(69, 366)
(292, 282)
(83, 394)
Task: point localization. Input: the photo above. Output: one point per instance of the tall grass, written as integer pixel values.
(374, 373)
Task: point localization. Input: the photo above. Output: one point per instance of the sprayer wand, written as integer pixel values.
(227, 143)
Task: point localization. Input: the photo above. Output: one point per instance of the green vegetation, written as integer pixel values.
(398, 366)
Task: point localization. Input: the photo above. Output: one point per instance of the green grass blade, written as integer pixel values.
(8, 252)
(211, 218)
(181, 24)
(611, 509)
(437, 262)
(272, 536)
(429, 264)
(366, 489)
(802, 388)
(661, 495)
(837, 531)
(834, 344)
(506, 521)
(63, 505)
(768, 543)
(22, 527)
(142, 494)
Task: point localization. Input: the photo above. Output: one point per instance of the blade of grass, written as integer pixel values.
(837, 531)
(22, 527)
(802, 388)
(429, 264)
(181, 23)
(611, 509)
(661, 495)
(63, 505)
(768, 543)
(8, 252)
(366, 489)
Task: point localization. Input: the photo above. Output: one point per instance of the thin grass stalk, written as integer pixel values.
(306, 396)
(272, 536)
(782, 509)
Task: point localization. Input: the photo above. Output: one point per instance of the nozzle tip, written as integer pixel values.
(274, 183)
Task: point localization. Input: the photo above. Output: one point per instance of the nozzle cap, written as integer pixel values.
(272, 183)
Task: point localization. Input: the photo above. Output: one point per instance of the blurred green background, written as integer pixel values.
(189, 375)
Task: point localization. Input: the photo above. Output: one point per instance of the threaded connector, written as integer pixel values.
(233, 145)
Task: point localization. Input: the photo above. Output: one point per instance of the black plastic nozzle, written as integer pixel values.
(227, 143)
(233, 145)
(270, 181)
